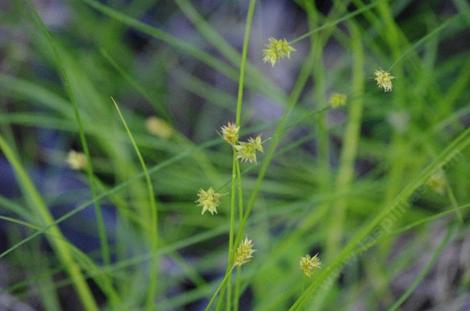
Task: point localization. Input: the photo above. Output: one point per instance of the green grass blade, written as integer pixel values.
(153, 223)
(60, 246)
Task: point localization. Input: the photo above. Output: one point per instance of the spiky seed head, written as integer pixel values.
(246, 151)
(230, 133)
(308, 264)
(257, 143)
(337, 100)
(158, 127)
(244, 252)
(76, 160)
(276, 49)
(437, 182)
(384, 80)
(209, 200)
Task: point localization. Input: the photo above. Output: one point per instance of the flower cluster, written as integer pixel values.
(246, 151)
(209, 200)
(384, 80)
(337, 100)
(158, 127)
(76, 160)
(277, 49)
(308, 264)
(244, 252)
(230, 133)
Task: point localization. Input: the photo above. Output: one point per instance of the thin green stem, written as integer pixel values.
(278, 133)
(235, 164)
(231, 234)
(236, 301)
(240, 217)
(240, 192)
(219, 288)
(153, 224)
(246, 41)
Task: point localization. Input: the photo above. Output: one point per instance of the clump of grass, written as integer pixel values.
(340, 182)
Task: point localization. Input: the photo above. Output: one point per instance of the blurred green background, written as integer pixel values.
(379, 188)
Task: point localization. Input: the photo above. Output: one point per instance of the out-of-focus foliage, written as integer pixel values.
(378, 187)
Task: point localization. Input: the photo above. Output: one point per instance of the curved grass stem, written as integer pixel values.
(153, 223)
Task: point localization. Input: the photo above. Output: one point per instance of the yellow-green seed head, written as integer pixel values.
(244, 252)
(230, 133)
(246, 151)
(276, 49)
(257, 143)
(384, 80)
(337, 100)
(76, 160)
(309, 264)
(158, 127)
(209, 200)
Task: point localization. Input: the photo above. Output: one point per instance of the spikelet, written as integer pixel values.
(230, 133)
(246, 151)
(209, 200)
(384, 80)
(244, 252)
(158, 127)
(337, 100)
(276, 49)
(76, 160)
(308, 264)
